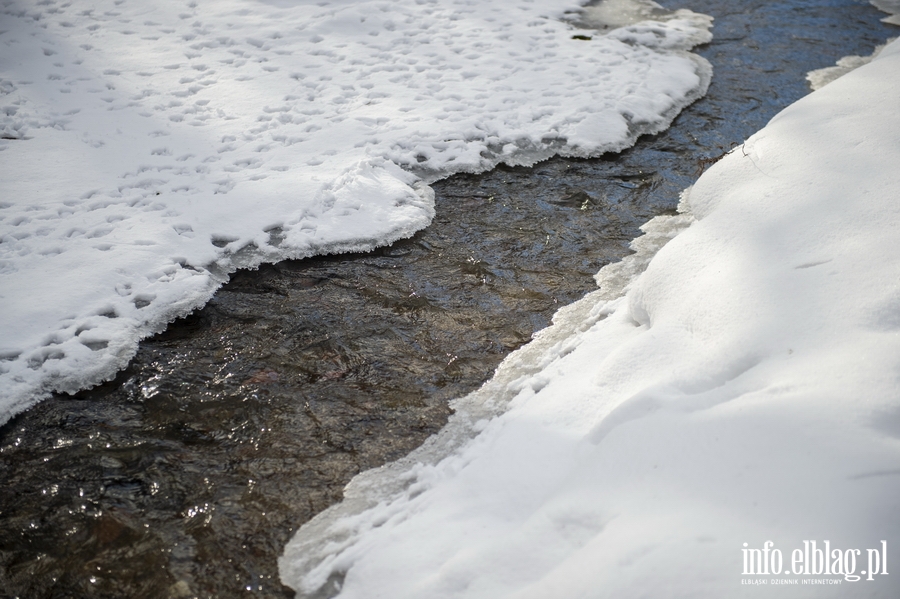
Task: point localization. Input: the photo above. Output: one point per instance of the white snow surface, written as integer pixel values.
(150, 148)
(745, 388)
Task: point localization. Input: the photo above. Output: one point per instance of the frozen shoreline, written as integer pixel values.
(743, 390)
(149, 152)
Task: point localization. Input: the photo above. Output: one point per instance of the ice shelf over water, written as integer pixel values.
(737, 401)
(149, 149)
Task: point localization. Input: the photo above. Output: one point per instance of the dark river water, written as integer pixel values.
(187, 474)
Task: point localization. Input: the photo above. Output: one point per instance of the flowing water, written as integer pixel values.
(187, 474)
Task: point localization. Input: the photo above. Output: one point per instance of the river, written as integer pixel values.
(187, 474)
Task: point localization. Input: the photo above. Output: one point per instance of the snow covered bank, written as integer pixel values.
(150, 149)
(745, 389)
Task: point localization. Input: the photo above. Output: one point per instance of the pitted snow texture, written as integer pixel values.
(149, 149)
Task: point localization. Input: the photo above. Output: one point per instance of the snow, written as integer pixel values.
(741, 385)
(149, 149)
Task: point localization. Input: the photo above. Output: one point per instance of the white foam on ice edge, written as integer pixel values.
(146, 151)
(743, 390)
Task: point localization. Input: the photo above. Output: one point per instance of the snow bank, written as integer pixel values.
(745, 389)
(150, 149)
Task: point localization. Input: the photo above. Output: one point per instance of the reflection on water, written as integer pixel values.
(187, 474)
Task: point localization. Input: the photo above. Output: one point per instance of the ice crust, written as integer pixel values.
(150, 149)
(739, 385)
